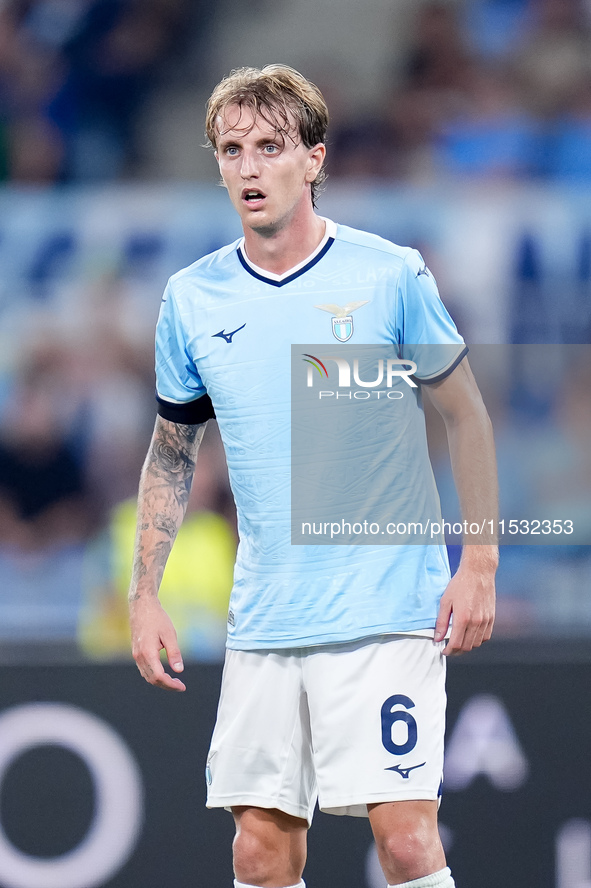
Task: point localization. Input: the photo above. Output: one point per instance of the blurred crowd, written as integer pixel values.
(487, 89)
(74, 75)
(76, 413)
(75, 421)
(484, 88)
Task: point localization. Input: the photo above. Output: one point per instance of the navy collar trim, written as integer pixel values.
(291, 277)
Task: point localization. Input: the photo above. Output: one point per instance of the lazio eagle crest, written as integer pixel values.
(342, 322)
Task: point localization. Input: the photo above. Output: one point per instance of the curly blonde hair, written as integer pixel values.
(280, 95)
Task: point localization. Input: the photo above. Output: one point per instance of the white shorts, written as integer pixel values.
(349, 724)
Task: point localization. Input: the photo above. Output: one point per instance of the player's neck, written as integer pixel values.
(287, 247)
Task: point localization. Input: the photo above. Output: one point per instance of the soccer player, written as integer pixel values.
(333, 684)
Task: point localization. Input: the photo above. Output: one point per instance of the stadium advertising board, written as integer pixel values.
(101, 782)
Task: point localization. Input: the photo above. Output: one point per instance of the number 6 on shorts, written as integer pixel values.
(390, 716)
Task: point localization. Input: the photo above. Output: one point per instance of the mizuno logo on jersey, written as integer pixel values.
(228, 336)
(423, 270)
(342, 322)
(404, 772)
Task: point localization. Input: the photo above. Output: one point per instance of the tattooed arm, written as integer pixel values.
(164, 491)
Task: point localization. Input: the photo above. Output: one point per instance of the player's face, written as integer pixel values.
(267, 174)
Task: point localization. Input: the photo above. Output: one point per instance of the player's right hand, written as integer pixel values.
(151, 632)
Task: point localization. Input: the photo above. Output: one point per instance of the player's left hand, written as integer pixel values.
(470, 598)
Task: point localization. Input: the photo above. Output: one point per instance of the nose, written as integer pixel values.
(249, 166)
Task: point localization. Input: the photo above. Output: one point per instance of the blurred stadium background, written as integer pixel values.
(462, 128)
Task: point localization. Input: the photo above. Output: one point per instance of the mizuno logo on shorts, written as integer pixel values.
(404, 772)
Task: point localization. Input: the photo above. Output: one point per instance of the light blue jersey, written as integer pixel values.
(225, 333)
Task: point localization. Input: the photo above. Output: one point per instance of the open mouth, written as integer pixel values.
(252, 195)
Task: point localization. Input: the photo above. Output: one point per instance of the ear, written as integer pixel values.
(316, 157)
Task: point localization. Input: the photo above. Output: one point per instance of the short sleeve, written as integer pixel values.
(179, 387)
(425, 331)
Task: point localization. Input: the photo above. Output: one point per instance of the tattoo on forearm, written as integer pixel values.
(166, 524)
(164, 492)
(172, 456)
